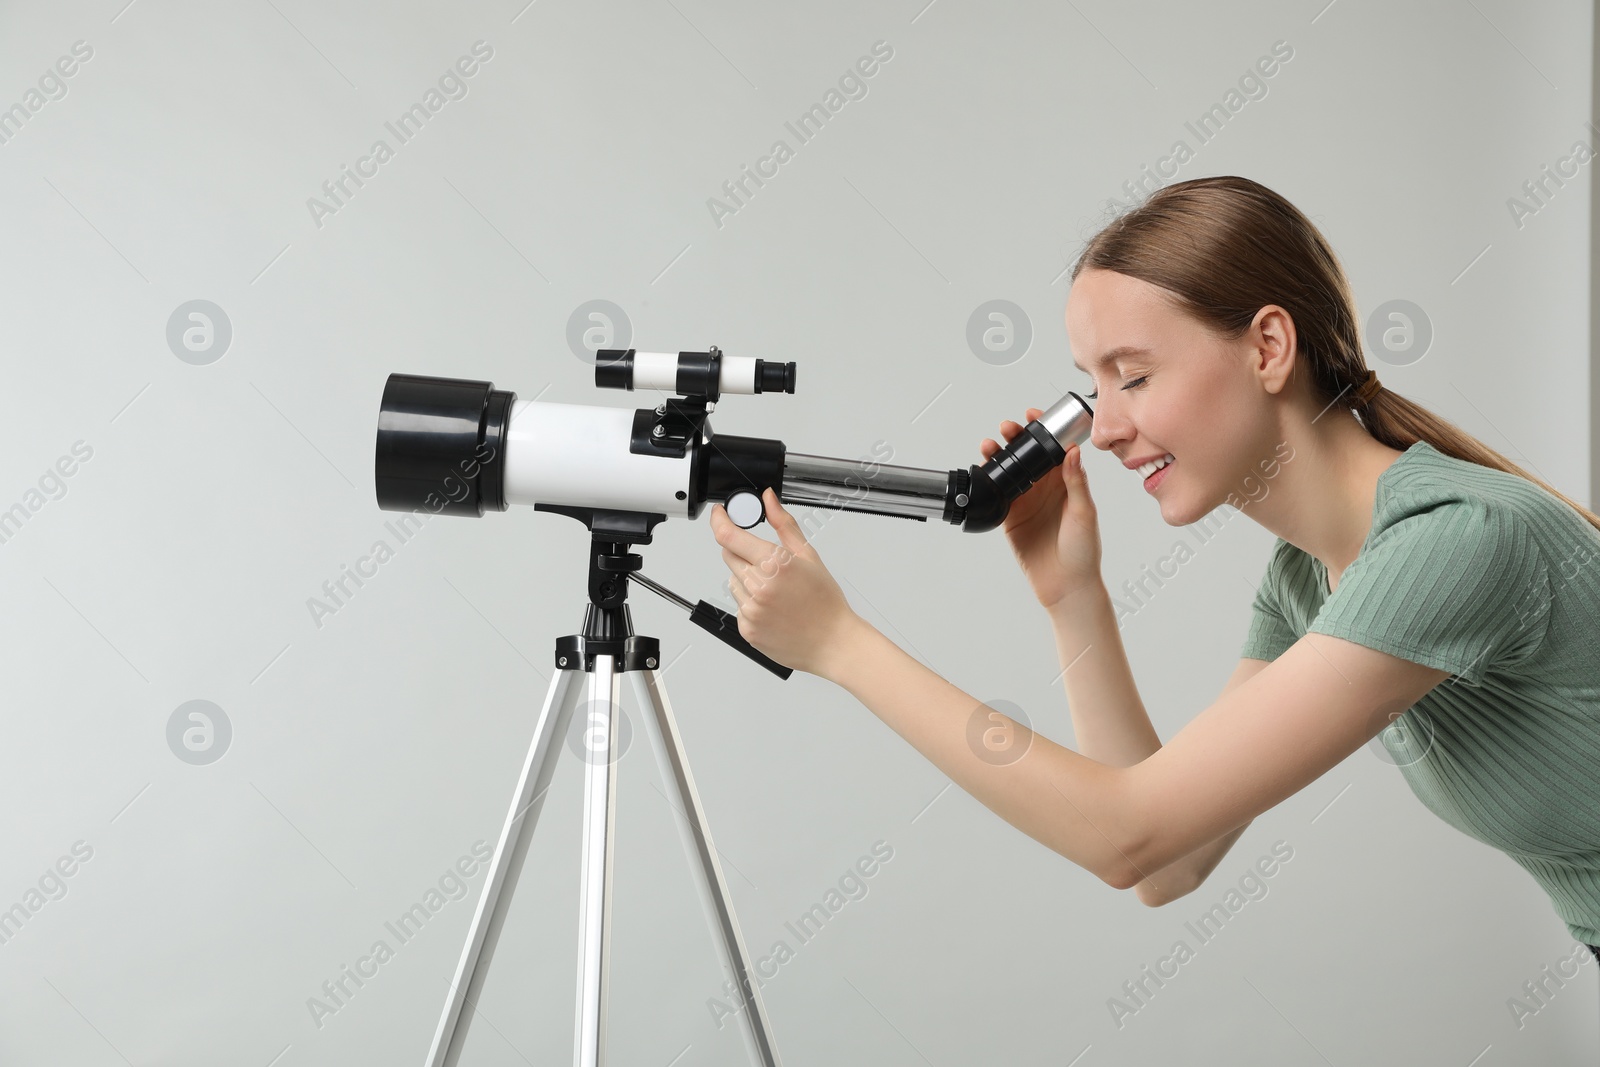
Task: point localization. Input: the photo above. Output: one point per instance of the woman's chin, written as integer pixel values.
(1168, 517)
(1175, 512)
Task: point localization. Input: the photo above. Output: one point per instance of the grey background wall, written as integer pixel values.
(1594, 306)
(368, 748)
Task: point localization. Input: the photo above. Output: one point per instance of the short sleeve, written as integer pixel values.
(1461, 587)
(1269, 634)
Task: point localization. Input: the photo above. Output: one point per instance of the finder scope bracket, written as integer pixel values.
(668, 429)
(676, 422)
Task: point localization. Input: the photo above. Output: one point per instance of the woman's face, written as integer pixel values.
(1169, 387)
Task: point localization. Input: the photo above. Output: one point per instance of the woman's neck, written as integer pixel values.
(1323, 499)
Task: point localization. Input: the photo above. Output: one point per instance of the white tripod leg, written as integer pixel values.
(662, 729)
(599, 818)
(504, 868)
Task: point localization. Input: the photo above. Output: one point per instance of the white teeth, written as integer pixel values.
(1147, 469)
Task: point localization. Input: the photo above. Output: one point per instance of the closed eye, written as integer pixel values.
(1137, 381)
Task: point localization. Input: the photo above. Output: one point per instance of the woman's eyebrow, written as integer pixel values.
(1123, 350)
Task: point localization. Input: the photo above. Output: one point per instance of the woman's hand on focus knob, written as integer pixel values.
(790, 607)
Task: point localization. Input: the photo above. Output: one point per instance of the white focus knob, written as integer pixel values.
(744, 508)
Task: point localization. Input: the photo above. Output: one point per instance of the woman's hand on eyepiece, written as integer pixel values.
(1053, 528)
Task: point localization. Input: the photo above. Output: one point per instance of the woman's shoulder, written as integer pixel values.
(1426, 488)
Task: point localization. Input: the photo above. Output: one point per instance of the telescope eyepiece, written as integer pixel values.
(774, 377)
(1026, 458)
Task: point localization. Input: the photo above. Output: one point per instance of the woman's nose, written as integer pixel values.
(1106, 428)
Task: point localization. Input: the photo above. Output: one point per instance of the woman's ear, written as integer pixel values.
(1273, 349)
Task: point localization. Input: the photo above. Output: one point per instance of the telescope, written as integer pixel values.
(462, 447)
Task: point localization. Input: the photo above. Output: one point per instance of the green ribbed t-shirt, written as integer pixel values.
(1486, 575)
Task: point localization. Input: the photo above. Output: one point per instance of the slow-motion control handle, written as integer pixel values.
(722, 625)
(725, 627)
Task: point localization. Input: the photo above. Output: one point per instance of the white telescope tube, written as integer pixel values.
(577, 455)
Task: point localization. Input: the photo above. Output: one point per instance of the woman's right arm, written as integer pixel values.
(1111, 724)
(1054, 531)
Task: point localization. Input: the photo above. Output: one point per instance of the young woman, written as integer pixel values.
(1417, 575)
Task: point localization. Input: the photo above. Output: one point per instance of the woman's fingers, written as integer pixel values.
(1008, 429)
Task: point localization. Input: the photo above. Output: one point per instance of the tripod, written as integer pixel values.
(606, 650)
